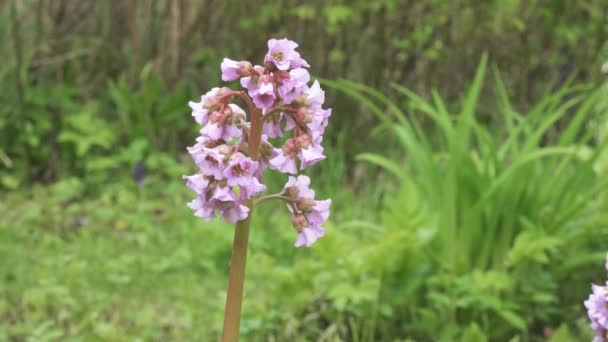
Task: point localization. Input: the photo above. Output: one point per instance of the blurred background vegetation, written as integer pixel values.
(465, 161)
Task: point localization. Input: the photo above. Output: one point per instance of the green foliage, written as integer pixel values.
(499, 217)
(140, 61)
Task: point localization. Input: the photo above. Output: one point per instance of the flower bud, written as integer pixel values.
(217, 117)
(306, 204)
(246, 68)
(225, 149)
(304, 115)
(299, 222)
(303, 141)
(292, 192)
(270, 66)
(290, 147)
(266, 149)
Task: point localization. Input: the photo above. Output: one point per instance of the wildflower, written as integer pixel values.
(230, 169)
(240, 172)
(233, 70)
(209, 160)
(272, 128)
(267, 152)
(223, 123)
(307, 235)
(209, 102)
(597, 310)
(293, 85)
(139, 173)
(308, 215)
(310, 153)
(284, 160)
(282, 54)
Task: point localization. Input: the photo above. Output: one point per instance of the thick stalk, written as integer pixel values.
(236, 278)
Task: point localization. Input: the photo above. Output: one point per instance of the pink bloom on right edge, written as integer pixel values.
(597, 310)
(307, 214)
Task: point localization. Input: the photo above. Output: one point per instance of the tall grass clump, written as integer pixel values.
(494, 224)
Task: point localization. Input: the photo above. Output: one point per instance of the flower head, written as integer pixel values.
(282, 54)
(308, 215)
(293, 84)
(597, 310)
(231, 152)
(223, 123)
(233, 70)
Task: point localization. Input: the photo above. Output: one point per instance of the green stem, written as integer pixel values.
(236, 278)
(271, 197)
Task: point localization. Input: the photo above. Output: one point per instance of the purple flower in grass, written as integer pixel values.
(284, 159)
(282, 54)
(293, 85)
(231, 169)
(241, 171)
(228, 204)
(210, 102)
(264, 93)
(307, 234)
(308, 215)
(223, 123)
(597, 310)
(233, 70)
(310, 155)
(209, 160)
(272, 127)
(139, 173)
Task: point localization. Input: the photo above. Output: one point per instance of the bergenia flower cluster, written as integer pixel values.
(597, 309)
(280, 101)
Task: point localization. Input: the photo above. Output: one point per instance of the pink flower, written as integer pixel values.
(209, 160)
(264, 95)
(226, 202)
(222, 124)
(228, 177)
(267, 152)
(301, 187)
(597, 309)
(198, 183)
(282, 54)
(318, 122)
(233, 70)
(310, 155)
(308, 236)
(209, 101)
(201, 209)
(315, 96)
(294, 85)
(240, 172)
(319, 213)
(283, 162)
(272, 127)
(309, 152)
(308, 215)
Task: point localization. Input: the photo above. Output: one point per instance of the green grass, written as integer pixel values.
(126, 263)
(507, 216)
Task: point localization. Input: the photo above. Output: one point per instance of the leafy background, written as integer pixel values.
(465, 162)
